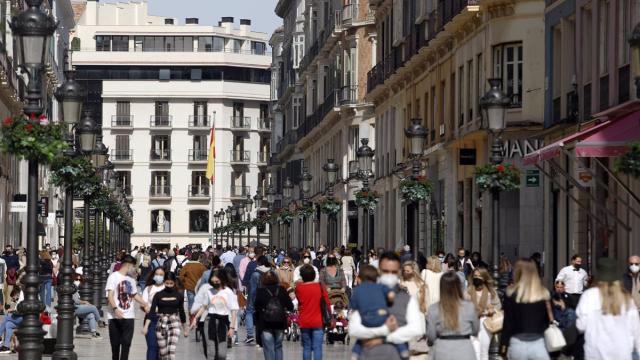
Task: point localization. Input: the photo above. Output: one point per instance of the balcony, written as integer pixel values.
(264, 124)
(202, 122)
(348, 95)
(160, 121)
(239, 157)
(160, 192)
(121, 156)
(199, 192)
(349, 14)
(122, 121)
(263, 158)
(240, 123)
(160, 155)
(198, 155)
(239, 192)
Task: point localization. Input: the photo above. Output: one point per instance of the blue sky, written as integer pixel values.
(209, 12)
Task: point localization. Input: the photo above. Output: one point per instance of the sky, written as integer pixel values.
(261, 12)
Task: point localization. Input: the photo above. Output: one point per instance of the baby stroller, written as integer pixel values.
(292, 332)
(339, 330)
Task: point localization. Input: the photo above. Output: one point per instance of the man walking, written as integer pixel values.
(121, 291)
(574, 278)
(631, 278)
(190, 275)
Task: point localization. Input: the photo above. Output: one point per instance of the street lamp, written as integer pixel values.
(257, 199)
(271, 199)
(287, 193)
(634, 42)
(417, 135)
(306, 189)
(32, 29)
(249, 206)
(241, 210)
(365, 162)
(331, 169)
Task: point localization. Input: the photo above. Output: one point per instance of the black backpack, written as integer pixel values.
(274, 311)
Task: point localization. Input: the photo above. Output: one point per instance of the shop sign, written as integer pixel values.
(18, 207)
(533, 178)
(584, 176)
(520, 147)
(467, 156)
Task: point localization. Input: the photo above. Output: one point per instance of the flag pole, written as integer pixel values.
(213, 182)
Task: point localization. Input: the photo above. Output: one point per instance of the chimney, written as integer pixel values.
(227, 24)
(168, 21)
(191, 21)
(91, 12)
(245, 26)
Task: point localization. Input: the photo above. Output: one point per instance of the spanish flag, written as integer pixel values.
(211, 158)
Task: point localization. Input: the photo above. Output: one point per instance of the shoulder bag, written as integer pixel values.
(324, 309)
(553, 337)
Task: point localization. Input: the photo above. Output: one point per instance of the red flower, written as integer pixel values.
(500, 168)
(28, 127)
(32, 117)
(7, 121)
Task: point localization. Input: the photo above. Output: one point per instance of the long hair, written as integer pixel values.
(614, 297)
(434, 264)
(527, 286)
(221, 275)
(450, 299)
(422, 287)
(487, 290)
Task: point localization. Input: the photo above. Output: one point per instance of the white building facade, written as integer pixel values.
(158, 88)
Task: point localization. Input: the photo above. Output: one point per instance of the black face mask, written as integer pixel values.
(577, 266)
(216, 285)
(170, 289)
(477, 282)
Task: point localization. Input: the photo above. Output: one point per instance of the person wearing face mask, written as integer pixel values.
(309, 294)
(168, 307)
(483, 296)
(575, 278)
(306, 260)
(631, 279)
(285, 273)
(155, 284)
(121, 292)
(86, 309)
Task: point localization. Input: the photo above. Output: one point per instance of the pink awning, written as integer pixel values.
(552, 150)
(612, 140)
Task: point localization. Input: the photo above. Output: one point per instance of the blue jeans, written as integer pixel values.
(248, 320)
(45, 293)
(312, 343)
(527, 350)
(190, 299)
(272, 344)
(152, 341)
(91, 313)
(8, 324)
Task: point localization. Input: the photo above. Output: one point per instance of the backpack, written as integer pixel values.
(274, 311)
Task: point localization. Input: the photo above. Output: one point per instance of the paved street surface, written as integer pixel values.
(99, 349)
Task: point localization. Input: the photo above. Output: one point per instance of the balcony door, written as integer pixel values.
(162, 113)
(238, 110)
(199, 183)
(200, 113)
(161, 147)
(122, 148)
(123, 113)
(161, 183)
(200, 145)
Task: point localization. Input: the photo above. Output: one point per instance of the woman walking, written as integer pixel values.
(431, 277)
(417, 289)
(285, 272)
(155, 284)
(271, 303)
(608, 317)
(46, 278)
(222, 305)
(527, 314)
(143, 271)
(483, 296)
(309, 295)
(332, 276)
(452, 322)
(348, 267)
(168, 307)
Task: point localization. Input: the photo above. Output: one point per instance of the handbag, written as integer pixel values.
(493, 323)
(553, 338)
(324, 309)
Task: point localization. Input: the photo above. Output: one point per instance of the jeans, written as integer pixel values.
(190, 298)
(91, 313)
(272, 344)
(248, 320)
(7, 326)
(120, 335)
(527, 350)
(45, 293)
(312, 343)
(152, 340)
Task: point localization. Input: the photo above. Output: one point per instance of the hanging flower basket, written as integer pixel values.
(367, 199)
(260, 223)
(32, 139)
(285, 216)
(501, 177)
(629, 163)
(70, 170)
(330, 206)
(306, 211)
(416, 189)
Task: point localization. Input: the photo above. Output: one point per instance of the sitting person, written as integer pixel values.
(372, 301)
(11, 321)
(88, 311)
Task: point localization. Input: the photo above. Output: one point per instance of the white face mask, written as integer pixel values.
(76, 283)
(389, 280)
(306, 260)
(634, 268)
(252, 255)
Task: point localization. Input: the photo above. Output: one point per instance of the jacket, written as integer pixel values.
(309, 295)
(263, 295)
(190, 274)
(252, 287)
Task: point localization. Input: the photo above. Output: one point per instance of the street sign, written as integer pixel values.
(18, 207)
(533, 178)
(43, 206)
(467, 157)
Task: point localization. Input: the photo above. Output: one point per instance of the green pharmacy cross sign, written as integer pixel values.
(533, 178)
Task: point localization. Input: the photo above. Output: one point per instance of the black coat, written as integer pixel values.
(262, 299)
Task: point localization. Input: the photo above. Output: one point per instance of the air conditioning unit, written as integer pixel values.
(441, 129)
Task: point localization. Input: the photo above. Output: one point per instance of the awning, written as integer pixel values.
(612, 140)
(552, 150)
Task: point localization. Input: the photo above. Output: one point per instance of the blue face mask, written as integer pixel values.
(158, 279)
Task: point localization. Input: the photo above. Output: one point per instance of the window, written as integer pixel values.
(164, 74)
(624, 31)
(507, 65)
(297, 112)
(354, 137)
(264, 111)
(199, 221)
(479, 82)
(218, 43)
(236, 45)
(163, 43)
(123, 113)
(205, 44)
(124, 181)
(196, 74)
(460, 99)
(603, 31)
(161, 221)
(200, 113)
(200, 145)
(122, 148)
(258, 48)
(120, 43)
(162, 109)
(103, 43)
(160, 183)
(469, 89)
(587, 39)
(160, 147)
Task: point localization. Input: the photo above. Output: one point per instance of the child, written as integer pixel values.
(371, 300)
(294, 300)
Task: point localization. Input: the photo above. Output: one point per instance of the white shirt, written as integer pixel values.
(150, 291)
(574, 280)
(222, 302)
(123, 290)
(201, 299)
(296, 274)
(607, 336)
(227, 257)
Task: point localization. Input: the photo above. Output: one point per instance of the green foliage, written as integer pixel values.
(75, 44)
(367, 199)
(32, 139)
(70, 171)
(330, 206)
(285, 216)
(78, 233)
(629, 163)
(306, 211)
(501, 177)
(416, 189)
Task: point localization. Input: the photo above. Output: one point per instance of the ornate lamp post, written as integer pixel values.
(634, 42)
(331, 169)
(306, 189)
(257, 199)
(271, 199)
(215, 227)
(365, 161)
(228, 212)
(99, 160)
(248, 205)
(32, 29)
(240, 217)
(70, 94)
(287, 193)
(417, 135)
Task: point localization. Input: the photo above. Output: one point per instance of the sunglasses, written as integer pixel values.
(307, 257)
(634, 264)
(286, 262)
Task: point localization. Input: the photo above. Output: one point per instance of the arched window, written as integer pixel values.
(199, 221)
(161, 221)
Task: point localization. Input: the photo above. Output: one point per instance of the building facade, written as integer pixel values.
(158, 88)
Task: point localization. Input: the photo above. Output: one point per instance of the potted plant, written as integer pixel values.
(629, 163)
(31, 138)
(306, 211)
(367, 199)
(285, 216)
(330, 206)
(500, 177)
(416, 188)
